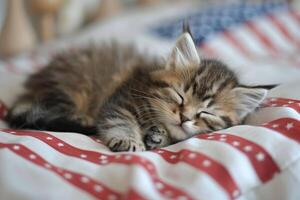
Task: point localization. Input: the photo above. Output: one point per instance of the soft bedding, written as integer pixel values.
(258, 160)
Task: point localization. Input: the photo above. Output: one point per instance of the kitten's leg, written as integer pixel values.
(121, 135)
(156, 137)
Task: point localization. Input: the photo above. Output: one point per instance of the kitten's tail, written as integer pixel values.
(26, 116)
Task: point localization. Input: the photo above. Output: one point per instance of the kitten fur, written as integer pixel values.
(133, 104)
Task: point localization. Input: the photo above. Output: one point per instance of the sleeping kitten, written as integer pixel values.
(144, 106)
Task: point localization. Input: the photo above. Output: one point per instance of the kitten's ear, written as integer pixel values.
(248, 99)
(184, 54)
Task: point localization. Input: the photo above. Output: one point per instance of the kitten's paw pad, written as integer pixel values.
(126, 144)
(156, 137)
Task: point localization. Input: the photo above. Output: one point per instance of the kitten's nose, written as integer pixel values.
(183, 118)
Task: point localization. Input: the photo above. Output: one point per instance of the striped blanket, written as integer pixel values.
(258, 160)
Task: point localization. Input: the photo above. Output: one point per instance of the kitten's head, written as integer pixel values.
(200, 95)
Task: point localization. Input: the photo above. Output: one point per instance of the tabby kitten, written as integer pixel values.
(144, 106)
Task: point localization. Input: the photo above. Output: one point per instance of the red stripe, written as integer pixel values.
(236, 43)
(104, 159)
(133, 195)
(260, 159)
(283, 102)
(295, 15)
(283, 29)
(83, 182)
(206, 164)
(286, 126)
(262, 37)
(207, 50)
(3, 110)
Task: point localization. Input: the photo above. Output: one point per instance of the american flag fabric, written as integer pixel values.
(258, 160)
(250, 37)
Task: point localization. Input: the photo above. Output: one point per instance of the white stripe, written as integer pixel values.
(275, 37)
(181, 175)
(268, 114)
(20, 179)
(226, 51)
(236, 162)
(119, 181)
(283, 149)
(284, 186)
(107, 175)
(211, 149)
(248, 40)
(288, 90)
(142, 183)
(291, 24)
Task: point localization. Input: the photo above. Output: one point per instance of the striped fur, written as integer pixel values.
(132, 104)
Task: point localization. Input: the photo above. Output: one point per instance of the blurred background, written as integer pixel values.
(258, 38)
(27, 24)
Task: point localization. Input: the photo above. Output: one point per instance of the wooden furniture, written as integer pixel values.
(17, 33)
(46, 10)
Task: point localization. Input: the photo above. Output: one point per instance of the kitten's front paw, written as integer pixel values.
(156, 137)
(126, 144)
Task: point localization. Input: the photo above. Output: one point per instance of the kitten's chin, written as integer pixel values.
(183, 132)
(177, 132)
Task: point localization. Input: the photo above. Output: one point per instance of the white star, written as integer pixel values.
(206, 163)
(275, 126)
(83, 155)
(103, 157)
(98, 188)
(291, 102)
(299, 104)
(84, 179)
(47, 165)
(16, 147)
(68, 175)
(289, 126)
(248, 148)
(173, 157)
(128, 157)
(59, 170)
(210, 137)
(222, 139)
(32, 157)
(192, 155)
(60, 144)
(236, 143)
(49, 138)
(160, 151)
(223, 135)
(273, 99)
(260, 156)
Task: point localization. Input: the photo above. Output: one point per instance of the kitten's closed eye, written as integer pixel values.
(200, 114)
(181, 104)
